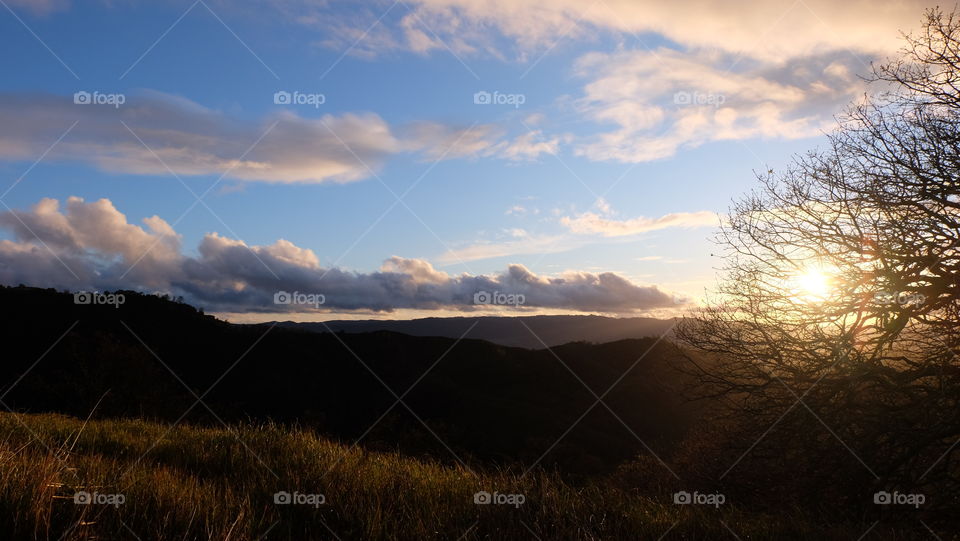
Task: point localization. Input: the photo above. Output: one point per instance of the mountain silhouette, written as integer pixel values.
(534, 332)
(469, 399)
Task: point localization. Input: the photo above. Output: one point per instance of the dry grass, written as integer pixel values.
(190, 483)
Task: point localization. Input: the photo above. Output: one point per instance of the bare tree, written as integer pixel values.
(835, 330)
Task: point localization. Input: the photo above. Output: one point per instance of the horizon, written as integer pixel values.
(479, 269)
(226, 152)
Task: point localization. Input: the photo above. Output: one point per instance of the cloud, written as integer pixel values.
(781, 68)
(527, 147)
(91, 245)
(593, 223)
(580, 228)
(440, 141)
(193, 140)
(661, 101)
(152, 131)
(771, 30)
(513, 245)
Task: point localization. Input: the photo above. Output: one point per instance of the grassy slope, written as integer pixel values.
(193, 483)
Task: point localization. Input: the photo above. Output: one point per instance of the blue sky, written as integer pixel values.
(638, 124)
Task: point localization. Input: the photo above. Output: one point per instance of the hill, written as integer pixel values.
(463, 401)
(533, 332)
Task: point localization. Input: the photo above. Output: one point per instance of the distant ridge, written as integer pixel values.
(532, 332)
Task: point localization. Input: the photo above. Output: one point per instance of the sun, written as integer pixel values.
(812, 285)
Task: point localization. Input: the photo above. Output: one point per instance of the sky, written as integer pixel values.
(323, 159)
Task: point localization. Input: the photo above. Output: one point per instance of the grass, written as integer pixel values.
(189, 483)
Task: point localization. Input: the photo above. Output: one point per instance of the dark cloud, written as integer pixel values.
(93, 246)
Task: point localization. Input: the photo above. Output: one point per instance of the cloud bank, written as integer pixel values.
(92, 246)
(154, 134)
(764, 29)
(682, 74)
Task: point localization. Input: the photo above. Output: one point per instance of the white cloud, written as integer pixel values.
(193, 140)
(440, 141)
(661, 101)
(510, 246)
(527, 147)
(783, 68)
(93, 246)
(593, 223)
(190, 139)
(772, 30)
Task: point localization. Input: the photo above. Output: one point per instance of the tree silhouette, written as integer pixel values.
(834, 333)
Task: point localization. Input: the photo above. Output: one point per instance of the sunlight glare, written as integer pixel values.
(812, 285)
